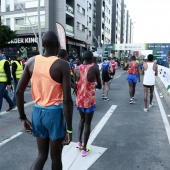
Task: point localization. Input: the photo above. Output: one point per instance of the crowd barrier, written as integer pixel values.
(164, 75)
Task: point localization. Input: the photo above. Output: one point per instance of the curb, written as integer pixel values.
(163, 90)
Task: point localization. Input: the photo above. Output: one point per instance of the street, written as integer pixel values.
(123, 136)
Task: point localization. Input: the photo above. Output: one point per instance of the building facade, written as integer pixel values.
(75, 16)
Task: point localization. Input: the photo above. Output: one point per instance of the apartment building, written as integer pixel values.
(75, 16)
(104, 21)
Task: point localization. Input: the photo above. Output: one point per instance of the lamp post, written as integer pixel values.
(39, 43)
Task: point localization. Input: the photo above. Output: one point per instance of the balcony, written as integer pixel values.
(69, 31)
(69, 11)
(28, 26)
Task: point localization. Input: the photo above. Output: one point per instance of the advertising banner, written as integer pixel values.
(129, 47)
(62, 35)
(164, 75)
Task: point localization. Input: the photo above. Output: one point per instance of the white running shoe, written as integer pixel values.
(145, 110)
(151, 105)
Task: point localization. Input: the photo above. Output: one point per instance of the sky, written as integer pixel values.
(151, 20)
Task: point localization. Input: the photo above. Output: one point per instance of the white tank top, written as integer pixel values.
(149, 75)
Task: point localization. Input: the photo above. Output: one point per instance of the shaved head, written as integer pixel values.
(50, 40)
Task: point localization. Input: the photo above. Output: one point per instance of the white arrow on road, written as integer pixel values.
(71, 157)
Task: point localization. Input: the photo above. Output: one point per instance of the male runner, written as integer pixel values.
(51, 92)
(106, 69)
(85, 77)
(149, 70)
(133, 76)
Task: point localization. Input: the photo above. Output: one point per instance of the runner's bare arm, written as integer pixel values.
(138, 72)
(156, 70)
(99, 85)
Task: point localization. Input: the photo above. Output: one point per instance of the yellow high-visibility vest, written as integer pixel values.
(19, 70)
(3, 76)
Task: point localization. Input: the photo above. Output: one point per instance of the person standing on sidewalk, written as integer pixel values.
(87, 78)
(17, 70)
(133, 77)
(149, 70)
(5, 82)
(51, 93)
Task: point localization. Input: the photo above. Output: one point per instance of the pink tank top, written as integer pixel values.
(85, 90)
(45, 91)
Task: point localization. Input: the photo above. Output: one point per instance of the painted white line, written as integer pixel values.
(118, 76)
(71, 157)
(164, 117)
(101, 124)
(26, 104)
(10, 138)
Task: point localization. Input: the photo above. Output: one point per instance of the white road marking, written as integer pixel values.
(71, 155)
(118, 76)
(26, 104)
(164, 116)
(9, 139)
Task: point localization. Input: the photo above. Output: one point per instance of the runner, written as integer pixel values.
(133, 76)
(85, 77)
(114, 67)
(106, 68)
(150, 70)
(51, 92)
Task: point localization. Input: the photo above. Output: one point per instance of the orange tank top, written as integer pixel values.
(45, 91)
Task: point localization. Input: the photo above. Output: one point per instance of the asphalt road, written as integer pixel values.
(123, 138)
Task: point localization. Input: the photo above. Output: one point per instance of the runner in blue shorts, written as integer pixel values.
(133, 77)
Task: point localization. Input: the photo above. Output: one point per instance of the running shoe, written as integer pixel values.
(79, 145)
(106, 99)
(151, 105)
(145, 110)
(103, 96)
(131, 101)
(10, 108)
(85, 152)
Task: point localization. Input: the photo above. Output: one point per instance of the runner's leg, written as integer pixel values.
(88, 119)
(151, 94)
(43, 149)
(130, 89)
(55, 152)
(145, 96)
(81, 125)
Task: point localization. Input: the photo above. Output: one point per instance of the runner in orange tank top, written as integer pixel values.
(51, 92)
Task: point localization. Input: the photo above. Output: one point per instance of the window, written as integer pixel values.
(78, 25)
(89, 33)
(80, 9)
(7, 5)
(89, 20)
(83, 28)
(19, 21)
(8, 22)
(89, 6)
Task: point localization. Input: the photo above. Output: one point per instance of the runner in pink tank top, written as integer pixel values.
(86, 77)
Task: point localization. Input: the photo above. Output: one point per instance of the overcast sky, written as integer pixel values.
(152, 20)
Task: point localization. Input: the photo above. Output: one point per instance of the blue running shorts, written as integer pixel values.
(133, 78)
(87, 110)
(48, 122)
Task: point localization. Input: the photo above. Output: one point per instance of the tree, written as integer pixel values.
(6, 34)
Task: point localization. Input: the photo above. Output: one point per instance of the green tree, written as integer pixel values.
(6, 34)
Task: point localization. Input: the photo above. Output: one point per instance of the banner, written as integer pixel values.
(61, 35)
(164, 75)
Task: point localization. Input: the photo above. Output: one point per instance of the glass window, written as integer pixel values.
(19, 21)
(7, 5)
(8, 22)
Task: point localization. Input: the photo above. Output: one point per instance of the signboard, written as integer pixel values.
(61, 35)
(24, 40)
(129, 46)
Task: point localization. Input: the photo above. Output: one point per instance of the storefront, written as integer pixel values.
(29, 42)
(75, 48)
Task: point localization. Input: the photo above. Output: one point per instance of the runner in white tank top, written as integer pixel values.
(149, 71)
